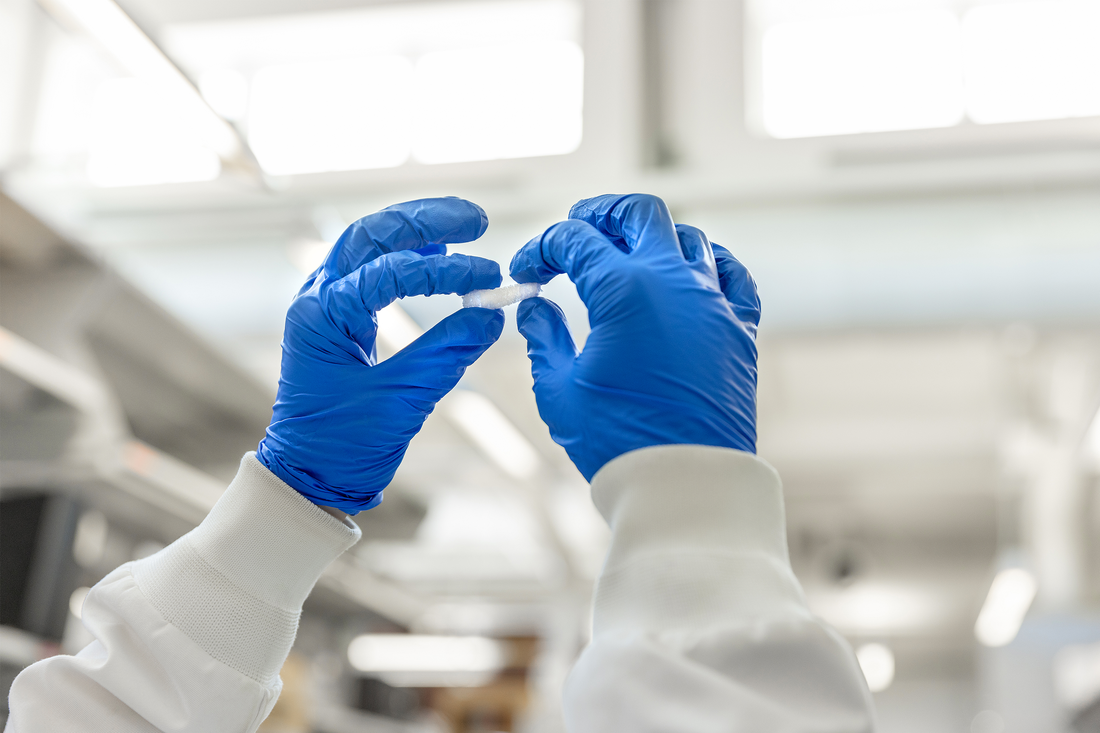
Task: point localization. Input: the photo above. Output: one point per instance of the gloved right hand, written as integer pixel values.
(671, 357)
(342, 420)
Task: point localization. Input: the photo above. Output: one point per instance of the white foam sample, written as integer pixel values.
(500, 297)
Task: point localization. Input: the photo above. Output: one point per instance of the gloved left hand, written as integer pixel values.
(342, 421)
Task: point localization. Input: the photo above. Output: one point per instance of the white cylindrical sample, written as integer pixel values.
(500, 297)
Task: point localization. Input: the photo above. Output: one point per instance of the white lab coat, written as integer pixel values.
(699, 622)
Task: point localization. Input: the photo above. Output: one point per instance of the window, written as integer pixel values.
(374, 88)
(141, 134)
(1032, 61)
(833, 67)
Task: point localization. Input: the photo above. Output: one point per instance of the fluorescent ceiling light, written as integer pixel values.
(140, 135)
(1009, 598)
(424, 653)
(334, 91)
(407, 660)
(528, 102)
(877, 663)
(862, 73)
(332, 116)
(410, 29)
(72, 71)
(877, 608)
(487, 427)
(1032, 60)
(831, 67)
(120, 37)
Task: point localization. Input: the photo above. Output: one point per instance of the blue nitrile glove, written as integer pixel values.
(672, 353)
(342, 421)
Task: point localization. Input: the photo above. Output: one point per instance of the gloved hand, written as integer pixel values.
(342, 421)
(671, 357)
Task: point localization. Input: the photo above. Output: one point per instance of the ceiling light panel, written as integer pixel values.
(528, 102)
(870, 607)
(835, 67)
(140, 135)
(368, 88)
(877, 663)
(409, 660)
(1032, 60)
(862, 73)
(109, 26)
(153, 127)
(1002, 614)
(333, 115)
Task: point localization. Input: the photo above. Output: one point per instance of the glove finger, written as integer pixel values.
(572, 247)
(696, 248)
(401, 274)
(636, 222)
(431, 366)
(738, 286)
(549, 344)
(404, 226)
(352, 301)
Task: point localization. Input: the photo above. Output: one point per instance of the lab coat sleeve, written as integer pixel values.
(193, 637)
(699, 623)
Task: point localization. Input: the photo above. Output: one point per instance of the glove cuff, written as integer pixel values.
(310, 488)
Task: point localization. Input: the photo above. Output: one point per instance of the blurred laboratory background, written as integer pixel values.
(915, 185)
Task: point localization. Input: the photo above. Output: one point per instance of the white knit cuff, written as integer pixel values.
(697, 532)
(691, 496)
(236, 583)
(269, 540)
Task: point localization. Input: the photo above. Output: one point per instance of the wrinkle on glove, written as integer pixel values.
(342, 421)
(671, 357)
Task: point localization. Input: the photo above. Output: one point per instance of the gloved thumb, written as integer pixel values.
(431, 366)
(549, 343)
